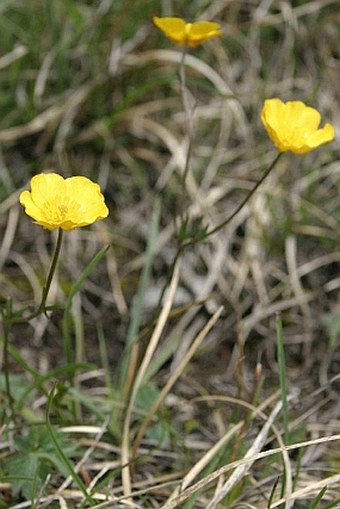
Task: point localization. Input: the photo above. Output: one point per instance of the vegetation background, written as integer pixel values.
(92, 88)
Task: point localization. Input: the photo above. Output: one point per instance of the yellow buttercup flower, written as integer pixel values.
(55, 202)
(294, 127)
(189, 34)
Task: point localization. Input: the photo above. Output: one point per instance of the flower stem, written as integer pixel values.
(188, 113)
(10, 318)
(42, 306)
(18, 317)
(7, 324)
(240, 207)
(46, 289)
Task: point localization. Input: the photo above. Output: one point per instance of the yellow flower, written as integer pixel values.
(190, 34)
(55, 202)
(294, 126)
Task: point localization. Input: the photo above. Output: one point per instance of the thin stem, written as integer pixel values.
(9, 319)
(42, 306)
(188, 113)
(183, 84)
(67, 464)
(53, 267)
(240, 207)
(17, 316)
(190, 132)
(7, 324)
(6, 366)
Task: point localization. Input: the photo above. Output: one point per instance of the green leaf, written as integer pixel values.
(147, 395)
(159, 431)
(23, 467)
(18, 383)
(34, 459)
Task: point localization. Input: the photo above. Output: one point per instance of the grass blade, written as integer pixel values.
(60, 452)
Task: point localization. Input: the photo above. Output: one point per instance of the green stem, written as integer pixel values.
(46, 289)
(42, 306)
(187, 111)
(59, 450)
(10, 318)
(240, 207)
(6, 367)
(17, 316)
(190, 131)
(7, 325)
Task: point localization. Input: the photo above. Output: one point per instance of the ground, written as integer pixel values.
(158, 363)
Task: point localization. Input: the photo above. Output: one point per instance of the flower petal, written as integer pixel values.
(55, 202)
(191, 34)
(173, 28)
(200, 31)
(46, 186)
(31, 208)
(294, 127)
(321, 136)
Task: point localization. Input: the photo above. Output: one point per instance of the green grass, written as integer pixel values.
(142, 386)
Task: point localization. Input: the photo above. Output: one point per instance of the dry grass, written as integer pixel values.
(196, 420)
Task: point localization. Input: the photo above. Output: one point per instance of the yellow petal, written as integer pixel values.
(31, 208)
(86, 194)
(173, 28)
(321, 136)
(55, 202)
(200, 31)
(191, 34)
(45, 187)
(294, 127)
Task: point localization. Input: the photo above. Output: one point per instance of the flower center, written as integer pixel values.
(60, 210)
(187, 31)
